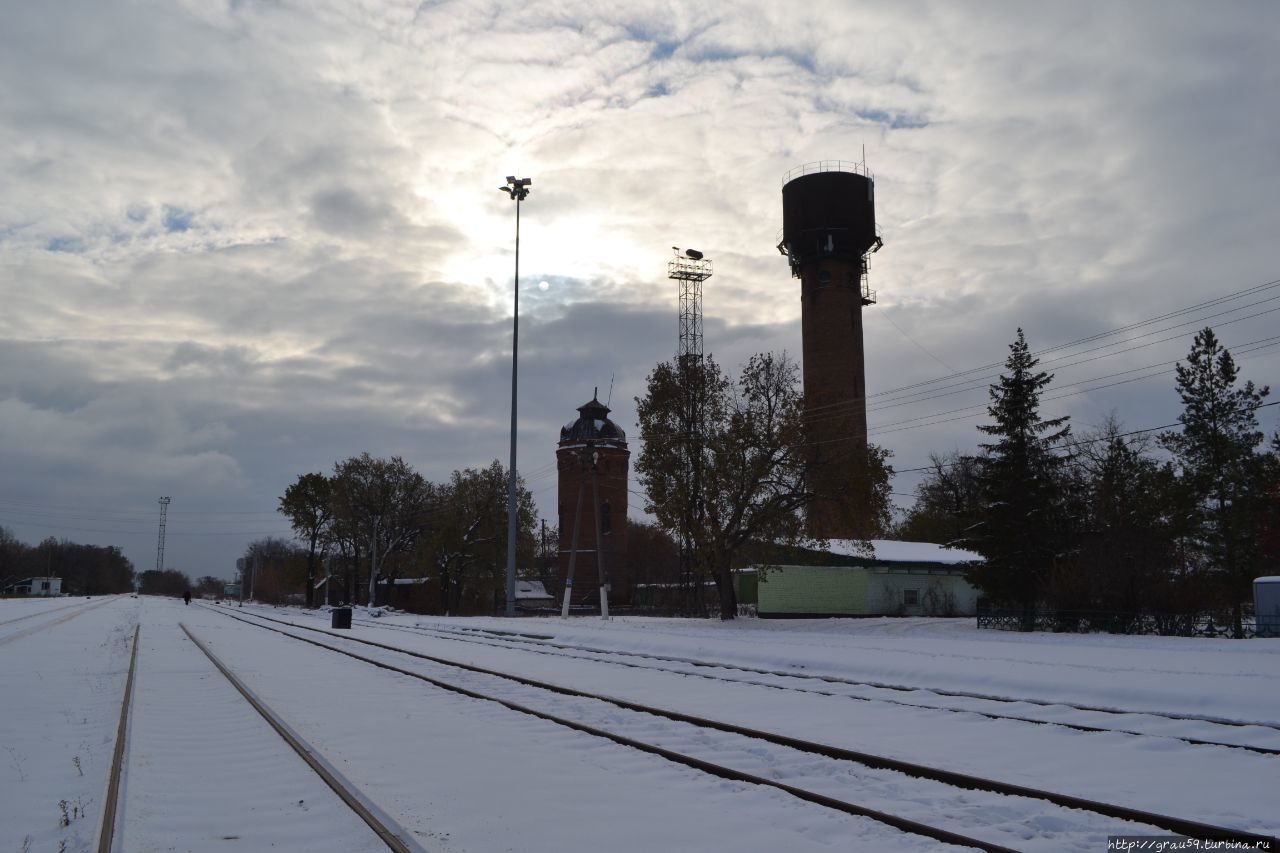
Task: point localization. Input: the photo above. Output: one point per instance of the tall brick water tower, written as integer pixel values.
(828, 230)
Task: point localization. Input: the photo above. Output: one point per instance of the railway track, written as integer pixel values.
(41, 613)
(771, 758)
(110, 802)
(76, 610)
(110, 832)
(1234, 733)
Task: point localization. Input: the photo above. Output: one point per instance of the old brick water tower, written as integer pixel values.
(593, 463)
(828, 229)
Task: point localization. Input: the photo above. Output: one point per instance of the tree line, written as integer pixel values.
(175, 582)
(1112, 521)
(1177, 521)
(84, 569)
(375, 519)
(1108, 520)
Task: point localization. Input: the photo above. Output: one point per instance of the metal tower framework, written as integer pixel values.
(164, 511)
(691, 269)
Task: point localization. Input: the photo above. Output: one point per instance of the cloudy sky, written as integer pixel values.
(240, 241)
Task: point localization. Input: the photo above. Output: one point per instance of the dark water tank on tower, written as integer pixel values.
(827, 214)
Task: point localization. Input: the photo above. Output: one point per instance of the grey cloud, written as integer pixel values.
(248, 240)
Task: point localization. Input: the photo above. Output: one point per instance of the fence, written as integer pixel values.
(1209, 624)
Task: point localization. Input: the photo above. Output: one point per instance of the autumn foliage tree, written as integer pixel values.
(308, 504)
(380, 519)
(382, 504)
(756, 466)
(467, 540)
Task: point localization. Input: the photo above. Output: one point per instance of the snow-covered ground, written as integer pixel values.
(205, 772)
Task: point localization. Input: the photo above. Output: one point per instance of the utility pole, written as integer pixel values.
(518, 190)
(600, 568)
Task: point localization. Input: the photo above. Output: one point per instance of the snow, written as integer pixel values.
(531, 591)
(190, 725)
(205, 772)
(60, 691)
(900, 552)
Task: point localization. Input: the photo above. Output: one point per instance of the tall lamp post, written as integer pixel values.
(518, 190)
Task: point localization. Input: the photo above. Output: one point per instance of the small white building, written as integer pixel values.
(885, 579)
(41, 587)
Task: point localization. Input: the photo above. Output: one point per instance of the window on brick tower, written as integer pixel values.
(606, 522)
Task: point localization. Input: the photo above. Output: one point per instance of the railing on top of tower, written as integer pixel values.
(684, 268)
(857, 167)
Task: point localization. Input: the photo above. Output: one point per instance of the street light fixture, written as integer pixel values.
(518, 190)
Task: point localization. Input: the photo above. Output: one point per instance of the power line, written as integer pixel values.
(935, 418)
(1110, 332)
(1083, 442)
(978, 382)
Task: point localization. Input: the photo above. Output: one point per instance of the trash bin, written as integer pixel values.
(341, 617)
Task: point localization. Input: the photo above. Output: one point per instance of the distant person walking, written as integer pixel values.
(186, 597)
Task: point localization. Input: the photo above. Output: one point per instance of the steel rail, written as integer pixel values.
(110, 802)
(833, 679)
(1177, 825)
(560, 648)
(384, 826)
(711, 768)
(27, 632)
(43, 613)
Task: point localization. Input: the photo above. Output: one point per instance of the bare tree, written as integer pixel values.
(947, 501)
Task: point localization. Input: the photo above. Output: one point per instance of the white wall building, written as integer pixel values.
(35, 587)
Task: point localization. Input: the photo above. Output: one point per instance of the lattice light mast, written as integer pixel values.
(690, 268)
(164, 511)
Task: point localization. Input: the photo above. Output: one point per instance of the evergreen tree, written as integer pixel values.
(1023, 527)
(1268, 514)
(1221, 475)
(1124, 535)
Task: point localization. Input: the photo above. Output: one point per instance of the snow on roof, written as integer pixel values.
(531, 589)
(900, 552)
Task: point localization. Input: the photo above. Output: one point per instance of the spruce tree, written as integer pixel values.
(1124, 537)
(1022, 531)
(1221, 475)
